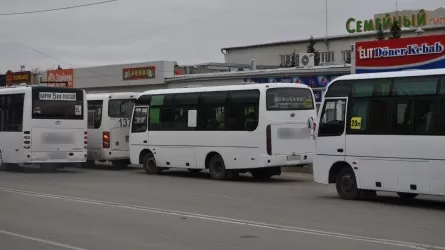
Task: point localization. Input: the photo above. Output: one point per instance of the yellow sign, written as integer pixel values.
(308, 103)
(356, 123)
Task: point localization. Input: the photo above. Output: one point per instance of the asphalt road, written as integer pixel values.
(126, 209)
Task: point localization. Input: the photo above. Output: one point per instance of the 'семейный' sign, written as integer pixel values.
(407, 21)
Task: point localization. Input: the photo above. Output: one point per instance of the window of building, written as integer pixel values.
(11, 112)
(327, 57)
(346, 56)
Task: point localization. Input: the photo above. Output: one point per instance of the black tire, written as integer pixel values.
(120, 163)
(194, 170)
(262, 174)
(217, 168)
(407, 196)
(149, 164)
(9, 167)
(346, 184)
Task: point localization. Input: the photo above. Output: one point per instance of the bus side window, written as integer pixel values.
(332, 122)
(11, 112)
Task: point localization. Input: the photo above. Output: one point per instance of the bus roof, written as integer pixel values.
(117, 95)
(404, 73)
(22, 89)
(246, 86)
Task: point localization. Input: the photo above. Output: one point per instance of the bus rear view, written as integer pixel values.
(57, 130)
(290, 123)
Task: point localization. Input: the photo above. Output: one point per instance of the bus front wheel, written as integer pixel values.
(149, 164)
(346, 184)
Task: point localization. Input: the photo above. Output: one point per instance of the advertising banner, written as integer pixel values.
(61, 75)
(139, 73)
(13, 78)
(421, 52)
(312, 81)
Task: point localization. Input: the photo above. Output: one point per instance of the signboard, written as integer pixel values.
(422, 52)
(318, 94)
(312, 81)
(61, 75)
(53, 96)
(138, 73)
(407, 21)
(18, 77)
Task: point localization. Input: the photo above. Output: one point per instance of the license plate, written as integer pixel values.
(127, 138)
(293, 158)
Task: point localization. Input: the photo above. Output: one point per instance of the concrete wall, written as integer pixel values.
(271, 55)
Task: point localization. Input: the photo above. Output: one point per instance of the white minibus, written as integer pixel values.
(256, 128)
(109, 126)
(42, 125)
(383, 132)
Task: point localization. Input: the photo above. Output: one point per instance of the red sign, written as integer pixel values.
(422, 52)
(18, 77)
(62, 76)
(139, 73)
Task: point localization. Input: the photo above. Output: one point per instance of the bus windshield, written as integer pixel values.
(57, 103)
(289, 99)
(120, 108)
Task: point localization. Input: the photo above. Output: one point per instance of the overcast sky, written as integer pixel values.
(186, 31)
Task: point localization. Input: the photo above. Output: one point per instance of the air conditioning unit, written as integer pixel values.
(306, 60)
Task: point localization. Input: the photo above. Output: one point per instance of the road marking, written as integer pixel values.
(48, 242)
(231, 220)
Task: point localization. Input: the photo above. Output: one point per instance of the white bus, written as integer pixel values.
(256, 128)
(42, 125)
(383, 132)
(109, 127)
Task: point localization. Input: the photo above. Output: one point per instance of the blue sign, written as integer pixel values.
(318, 94)
(311, 81)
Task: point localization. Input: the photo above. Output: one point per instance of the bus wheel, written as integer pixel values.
(149, 164)
(217, 168)
(121, 163)
(346, 184)
(407, 196)
(262, 174)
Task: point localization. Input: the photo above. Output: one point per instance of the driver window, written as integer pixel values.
(332, 122)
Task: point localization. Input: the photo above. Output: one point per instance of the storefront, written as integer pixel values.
(421, 52)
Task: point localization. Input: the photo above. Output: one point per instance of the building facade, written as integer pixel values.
(334, 50)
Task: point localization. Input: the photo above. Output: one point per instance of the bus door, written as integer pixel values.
(138, 133)
(331, 139)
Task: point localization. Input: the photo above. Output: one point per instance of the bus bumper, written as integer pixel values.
(287, 161)
(56, 157)
(107, 155)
